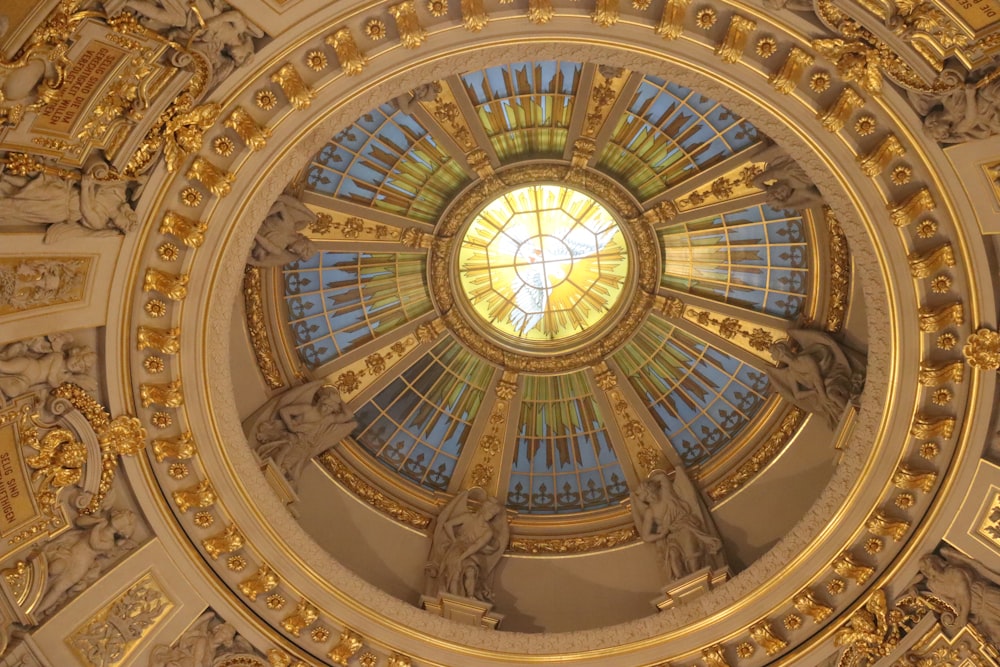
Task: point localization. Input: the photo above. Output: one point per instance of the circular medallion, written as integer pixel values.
(542, 263)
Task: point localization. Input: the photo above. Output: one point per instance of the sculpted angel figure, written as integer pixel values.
(279, 240)
(818, 375)
(787, 185)
(466, 547)
(75, 558)
(669, 514)
(299, 424)
(98, 203)
(963, 592)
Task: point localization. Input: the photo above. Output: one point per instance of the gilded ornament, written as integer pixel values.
(168, 252)
(734, 42)
(201, 496)
(875, 162)
(275, 601)
(161, 420)
(641, 5)
(368, 659)
(305, 615)
(671, 306)
(181, 447)
(171, 285)
(807, 603)
(840, 273)
(946, 341)
(854, 60)
(671, 23)
(937, 374)
(942, 396)
(191, 197)
(766, 47)
(228, 541)
(190, 232)
(715, 656)
(264, 580)
(873, 545)
(278, 658)
(927, 229)
(316, 61)
(223, 146)
(982, 350)
(252, 134)
(350, 57)
(924, 264)
(183, 134)
(847, 566)
(299, 95)
(60, 458)
(218, 181)
(203, 519)
(164, 341)
(375, 29)
(178, 470)
(905, 501)
(929, 450)
(319, 634)
(934, 319)
(790, 73)
(570, 545)
(819, 82)
(836, 115)
(236, 563)
(112, 633)
(605, 13)
(760, 458)
(705, 18)
(372, 495)
(901, 175)
(836, 586)
(744, 650)
(792, 622)
(437, 8)
(912, 479)
(253, 304)
(865, 125)
(764, 634)
(482, 475)
(169, 395)
(474, 16)
(911, 208)
(883, 525)
(155, 308)
(399, 660)
(924, 427)
(154, 364)
(265, 99)
(874, 630)
(350, 643)
(941, 283)
(411, 33)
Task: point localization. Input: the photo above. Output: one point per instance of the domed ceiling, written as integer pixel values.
(552, 247)
(545, 280)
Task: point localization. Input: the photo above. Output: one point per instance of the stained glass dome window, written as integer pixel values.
(543, 262)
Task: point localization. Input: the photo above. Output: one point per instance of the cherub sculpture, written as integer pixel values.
(299, 424)
(669, 514)
(466, 547)
(818, 375)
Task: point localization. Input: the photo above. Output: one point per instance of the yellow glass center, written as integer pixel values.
(543, 263)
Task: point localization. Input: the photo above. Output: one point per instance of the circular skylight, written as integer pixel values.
(542, 263)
